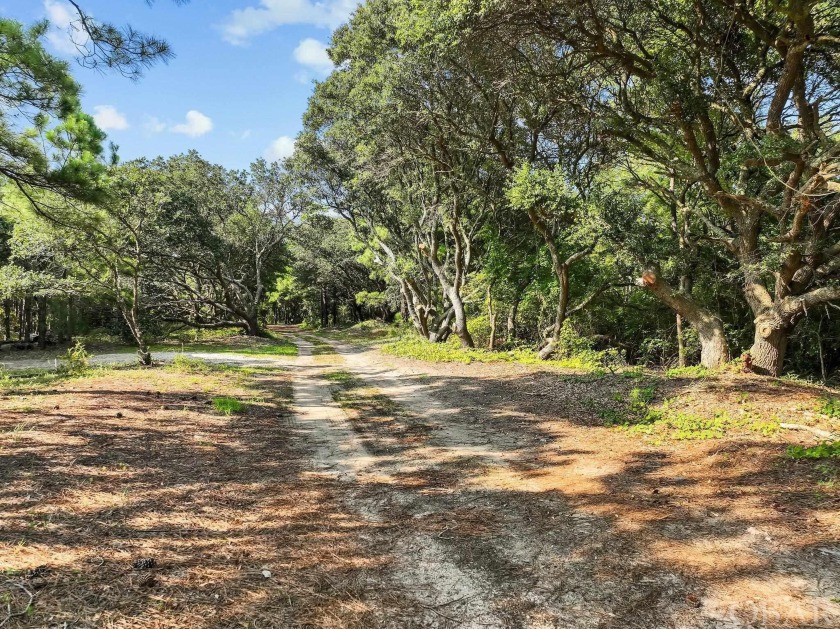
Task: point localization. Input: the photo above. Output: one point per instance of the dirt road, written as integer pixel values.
(502, 518)
(356, 490)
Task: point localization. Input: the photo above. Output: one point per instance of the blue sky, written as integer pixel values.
(236, 89)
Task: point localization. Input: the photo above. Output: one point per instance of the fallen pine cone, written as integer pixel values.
(145, 563)
(38, 573)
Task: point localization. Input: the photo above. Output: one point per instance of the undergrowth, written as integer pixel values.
(368, 331)
(451, 352)
(695, 371)
(635, 414)
(825, 450)
(23, 380)
(189, 365)
(830, 406)
(76, 360)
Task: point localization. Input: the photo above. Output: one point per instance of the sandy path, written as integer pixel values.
(422, 569)
(528, 527)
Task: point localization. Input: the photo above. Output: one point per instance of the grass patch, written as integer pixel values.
(451, 352)
(825, 450)
(320, 347)
(228, 405)
(19, 381)
(198, 366)
(695, 371)
(368, 332)
(339, 377)
(186, 364)
(244, 346)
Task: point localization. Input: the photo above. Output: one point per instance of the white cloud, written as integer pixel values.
(243, 24)
(195, 125)
(312, 54)
(280, 149)
(108, 118)
(64, 34)
(154, 124)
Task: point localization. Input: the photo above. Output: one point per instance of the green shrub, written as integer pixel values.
(200, 334)
(75, 360)
(479, 328)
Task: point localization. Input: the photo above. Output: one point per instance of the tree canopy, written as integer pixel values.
(656, 178)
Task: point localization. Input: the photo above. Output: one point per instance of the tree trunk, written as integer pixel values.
(324, 308)
(491, 315)
(680, 342)
(7, 321)
(440, 332)
(71, 319)
(252, 322)
(60, 320)
(511, 320)
(460, 319)
(27, 319)
(144, 355)
(714, 351)
(404, 307)
(560, 315)
(767, 353)
(42, 323)
(823, 373)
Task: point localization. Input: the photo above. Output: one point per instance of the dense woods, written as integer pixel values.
(659, 176)
(660, 180)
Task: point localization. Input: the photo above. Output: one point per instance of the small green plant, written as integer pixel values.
(633, 373)
(640, 397)
(830, 406)
(339, 377)
(637, 417)
(695, 371)
(825, 450)
(228, 405)
(75, 360)
(610, 416)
